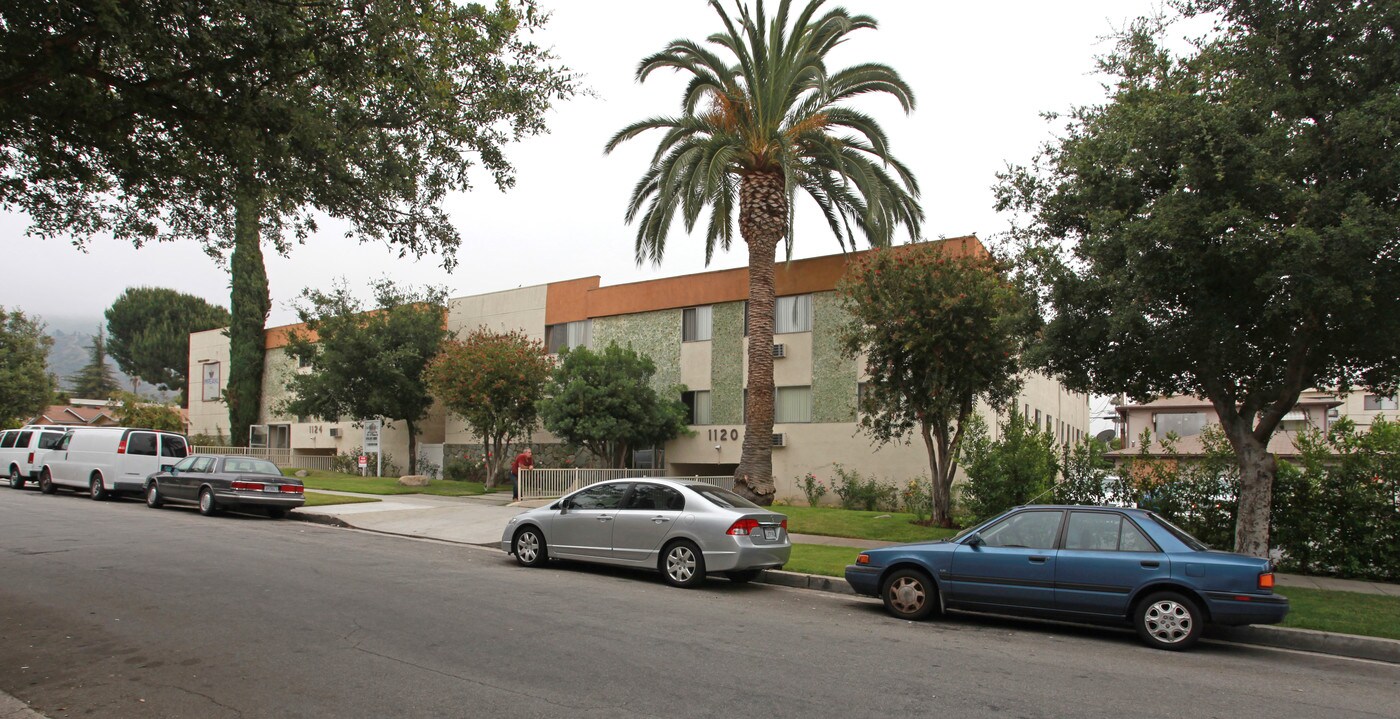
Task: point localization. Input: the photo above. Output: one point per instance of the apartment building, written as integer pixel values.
(694, 329)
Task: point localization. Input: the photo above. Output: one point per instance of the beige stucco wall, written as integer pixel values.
(696, 364)
(208, 416)
(519, 309)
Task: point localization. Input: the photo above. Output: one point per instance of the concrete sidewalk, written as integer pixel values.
(481, 521)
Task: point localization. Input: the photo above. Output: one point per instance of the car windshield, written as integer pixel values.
(723, 498)
(1180, 533)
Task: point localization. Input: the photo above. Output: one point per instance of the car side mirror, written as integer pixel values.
(168, 468)
(975, 540)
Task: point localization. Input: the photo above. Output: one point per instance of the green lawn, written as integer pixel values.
(1372, 615)
(317, 499)
(341, 482)
(833, 522)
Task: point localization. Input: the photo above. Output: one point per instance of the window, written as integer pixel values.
(1027, 412)
(792, 404)
(210, 373)
(7, 439)
(723, 498)
(202, 465)
(790, 314)
(568, 334)
(173, 446)
(185, 464)
(1131, 539)
(1037, 420)
(141, 443)
(49, 440)
(1379, 402)
(1032, 530)
(23, 440)
(604, 496)
(697, 324)
(793, 314)
(1184, 424)
(698, 402)
(654, 497)
(1104, 532)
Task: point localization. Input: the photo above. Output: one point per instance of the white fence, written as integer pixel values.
(279, 457)
(550, 483)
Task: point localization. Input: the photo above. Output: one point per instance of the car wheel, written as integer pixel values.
(153, 498)
(46, 482)
(909, 594)
(277, 512)
(16, 479)
(682, 565)
(530, 549)
(743, 576)
(95, 489)
(1167, 620)
(207, 506)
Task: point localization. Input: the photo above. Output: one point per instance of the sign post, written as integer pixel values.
(372, 445)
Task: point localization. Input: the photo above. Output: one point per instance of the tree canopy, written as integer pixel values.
(1227, 224)
(95, 380)
(604, 402)
(367, 364)
(492, 380)
(940, 332)
(25, 383)
(132, 410)
(763, 118)
(148, 334)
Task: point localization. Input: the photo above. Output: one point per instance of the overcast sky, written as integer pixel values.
(982, 74)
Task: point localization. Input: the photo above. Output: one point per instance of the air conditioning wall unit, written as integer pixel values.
(335, 431)
(779, 351)
(780, 439)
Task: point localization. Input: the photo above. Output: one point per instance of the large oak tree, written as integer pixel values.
(1227, 224)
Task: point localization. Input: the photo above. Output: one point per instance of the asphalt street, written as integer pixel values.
(115, 610)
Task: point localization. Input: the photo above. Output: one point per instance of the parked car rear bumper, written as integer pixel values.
(743, 553)
(250, 499)
(1234, 609)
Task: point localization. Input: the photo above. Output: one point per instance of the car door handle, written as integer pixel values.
(605, 519)
(660, 520)
(1150, 565)
(1038, 560)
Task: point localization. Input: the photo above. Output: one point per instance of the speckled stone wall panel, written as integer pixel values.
(654, 334)
(833, 376)
(727, 364)
(278, 367)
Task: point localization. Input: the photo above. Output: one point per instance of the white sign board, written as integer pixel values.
(372, 435)
(364, 461)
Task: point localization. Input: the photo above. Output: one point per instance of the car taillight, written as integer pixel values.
(121, 447)
(250, 486)
(292, 489)
(863, 559)
(783, 524)
(1266, 580)
(31, 458)
(743, 527)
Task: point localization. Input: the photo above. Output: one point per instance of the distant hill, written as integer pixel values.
(69, 354)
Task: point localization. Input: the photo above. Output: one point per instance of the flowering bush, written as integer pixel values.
(813, 488)
(917, 498)
(466, 467)
(867, 493)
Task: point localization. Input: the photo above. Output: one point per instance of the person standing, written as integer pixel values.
(524, 460)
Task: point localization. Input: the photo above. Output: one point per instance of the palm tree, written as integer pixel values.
(762, 117)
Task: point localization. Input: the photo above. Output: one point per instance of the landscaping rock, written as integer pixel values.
(303, 473)
(414, 480)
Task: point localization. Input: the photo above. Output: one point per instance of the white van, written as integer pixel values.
(21, 451)
(110, 460)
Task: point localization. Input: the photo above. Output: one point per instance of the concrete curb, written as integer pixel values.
(13, 708)
(1308, 640)
(1304, 640)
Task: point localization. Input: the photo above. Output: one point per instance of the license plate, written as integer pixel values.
(271, 488)
(770, 532)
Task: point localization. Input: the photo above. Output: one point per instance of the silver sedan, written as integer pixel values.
(681, 529)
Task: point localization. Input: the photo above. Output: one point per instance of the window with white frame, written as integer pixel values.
(1374, 402)
(698, 404)
(1183, 424)
(792, 404)
(697, 323)
(568, 334)
(793, 314)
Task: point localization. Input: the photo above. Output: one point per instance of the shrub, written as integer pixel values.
(868, 493)
(1016, 469)
(812, 488)
(349, 463)
(1084, 475)
(917, 498)
(466, 467)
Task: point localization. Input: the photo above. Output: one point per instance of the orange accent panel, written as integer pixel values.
(567, 301)
(274, 337)
(799, 277)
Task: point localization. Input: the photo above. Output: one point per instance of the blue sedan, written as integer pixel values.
(1103, 565)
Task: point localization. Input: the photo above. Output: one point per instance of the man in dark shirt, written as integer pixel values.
(524, 460)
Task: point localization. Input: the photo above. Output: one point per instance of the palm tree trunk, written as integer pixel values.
(763, 214)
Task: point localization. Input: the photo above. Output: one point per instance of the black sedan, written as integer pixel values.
(214, 482)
